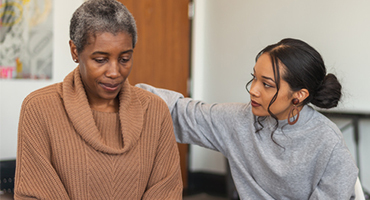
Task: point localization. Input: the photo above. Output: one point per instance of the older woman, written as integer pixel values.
(94, 136)
(278, 147)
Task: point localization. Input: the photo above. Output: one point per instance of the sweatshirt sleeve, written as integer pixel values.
(339, 178)
(196, 122)
(35, 176)
(165, 181)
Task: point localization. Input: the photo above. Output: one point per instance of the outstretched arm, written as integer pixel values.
(170, 97)
(196, 122)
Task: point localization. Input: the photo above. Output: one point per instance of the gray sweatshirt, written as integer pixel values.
(312, 161)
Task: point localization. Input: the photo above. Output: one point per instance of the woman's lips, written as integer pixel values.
(255, 104)
(109, 86)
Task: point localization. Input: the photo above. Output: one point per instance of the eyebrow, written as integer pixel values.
(105, 53)
(265, 77)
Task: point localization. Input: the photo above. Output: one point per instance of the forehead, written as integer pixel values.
(264, 66)
(107, 39)
(92, 36)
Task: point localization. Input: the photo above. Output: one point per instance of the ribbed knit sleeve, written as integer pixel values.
(35, 177)
(165, 179)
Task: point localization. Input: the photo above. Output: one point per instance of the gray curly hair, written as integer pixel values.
(98, 16)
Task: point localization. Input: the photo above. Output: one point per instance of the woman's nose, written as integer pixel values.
(113, 70)
(254, 90)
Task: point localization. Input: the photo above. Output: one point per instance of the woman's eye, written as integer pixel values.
(125, 59)
(99, 60)
(268, 85)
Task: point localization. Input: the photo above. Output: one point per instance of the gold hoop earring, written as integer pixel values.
(291, 111)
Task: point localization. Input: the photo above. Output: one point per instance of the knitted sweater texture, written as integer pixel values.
(64, 151)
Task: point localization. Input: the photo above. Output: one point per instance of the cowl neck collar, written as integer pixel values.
(78, 110)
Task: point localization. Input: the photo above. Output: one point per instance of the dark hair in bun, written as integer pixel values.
(304, 68)
(329, 93)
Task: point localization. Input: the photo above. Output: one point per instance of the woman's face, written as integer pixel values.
(263, 88)
(105, 64)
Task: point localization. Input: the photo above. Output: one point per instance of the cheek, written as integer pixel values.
(90, 75)
(282, 102)
(83, 71)
(125, 71)
(268, 97)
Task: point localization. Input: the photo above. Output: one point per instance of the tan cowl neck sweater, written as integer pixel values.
(64, 151)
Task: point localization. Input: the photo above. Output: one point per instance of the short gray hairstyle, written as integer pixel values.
(99, 16)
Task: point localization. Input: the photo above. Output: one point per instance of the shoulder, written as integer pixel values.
(324, 131)
(333, 144)
(148, 99)
(330, 129)
(321, 138)
(48, 93)
(38, 103)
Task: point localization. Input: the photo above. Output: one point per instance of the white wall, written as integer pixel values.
(12, 92)
(227, 35)
(364, 153)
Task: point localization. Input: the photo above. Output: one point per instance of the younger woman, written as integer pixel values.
(278, 146)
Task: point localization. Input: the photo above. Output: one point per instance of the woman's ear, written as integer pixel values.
(301, 94)
(73, 49)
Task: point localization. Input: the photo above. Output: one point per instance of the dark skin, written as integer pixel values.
(105, 63)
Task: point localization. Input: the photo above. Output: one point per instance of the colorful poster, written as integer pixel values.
(26, 39)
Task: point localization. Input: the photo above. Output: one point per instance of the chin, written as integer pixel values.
(110, 96)
(259, 114)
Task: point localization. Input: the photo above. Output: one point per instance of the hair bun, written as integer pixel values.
(329, 92)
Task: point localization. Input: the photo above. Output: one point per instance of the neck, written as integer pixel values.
(106, 106)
